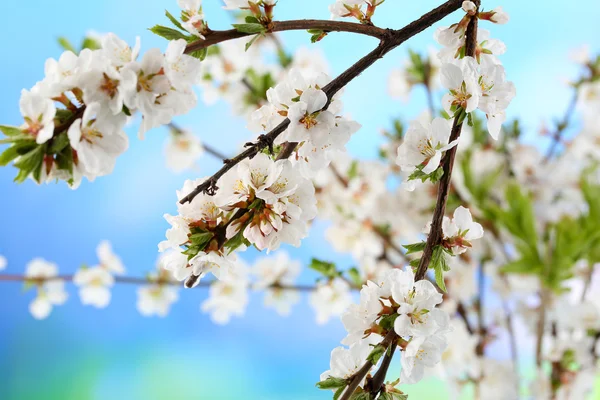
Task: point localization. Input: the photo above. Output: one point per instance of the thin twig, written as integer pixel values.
(562, 126)
(214, 37)
(209, 149)
(143, 281)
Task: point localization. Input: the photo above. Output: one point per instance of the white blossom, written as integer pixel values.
(330, 299)
(38, 113)
(94, 285)
(424, 145)
(50, 289)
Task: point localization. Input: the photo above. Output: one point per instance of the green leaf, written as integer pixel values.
(251, 42)
(249, 28)
(201, 239)
(399, 396)
(252, 20)
(316, 35)
(59, 143)
(66, 44)
(325, 268)
(11, 130)
(353, 170)
(385, 396)
(64, 159)
(338, 393)
(237, 241)
(89, 43)
(167, 33)
(174, 20)
(361, 396)
(376, 354)
(332, 383)
(355, 277)
(387, 322)
(439, 264)
(415, 247)
(16, 150)
(200, 54)
(29, 163)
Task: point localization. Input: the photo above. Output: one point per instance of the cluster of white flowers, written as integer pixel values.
(397, 302)
(320, 132)
(478, 82)
(99, 90)
(95, 282)
(261, 202)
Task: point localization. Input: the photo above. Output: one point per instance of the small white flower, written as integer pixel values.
(50, 290)
(157, 297)
(461, 80)
(422, 352)
(3, 262)
(94, 285)
(38, 113)
(108, 259)
(97, 141)
(192, 16)
(182, 151)
(117, 51)
(460, 231)
(345, 362)
(182, 70)
(359, 318)
(424, 145)
(330, 299)
(228, 296)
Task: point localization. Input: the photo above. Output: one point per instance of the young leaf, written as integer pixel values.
(89, 43)
(29, 162)
(66, 45)
(332, 383)
(355, 277)
(11, 130)
(325, 268)
(249, 28)
(17, 149)
(376, 354)
(58, 143)
(174, 20)
(414, 248)
(167, 33)
(439, 264)
(200, 54)
(251, 42)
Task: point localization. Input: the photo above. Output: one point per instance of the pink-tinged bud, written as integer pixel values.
(469, 7)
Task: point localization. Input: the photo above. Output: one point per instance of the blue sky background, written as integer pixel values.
(84, 353)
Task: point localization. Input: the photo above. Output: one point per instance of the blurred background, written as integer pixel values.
(84, 353)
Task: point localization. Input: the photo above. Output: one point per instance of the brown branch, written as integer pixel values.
(214, 37)
(391, 40)
(143, 281)
(436, 233)
(360, 375)
(378, 379)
